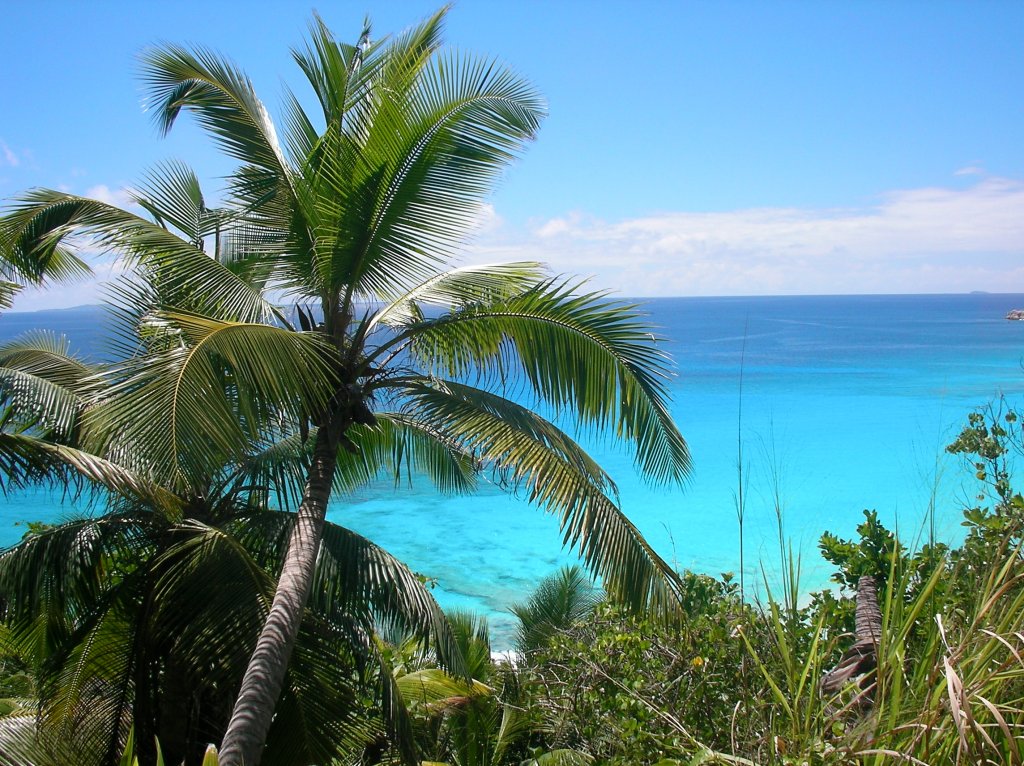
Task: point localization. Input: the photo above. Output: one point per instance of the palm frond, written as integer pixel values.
(220, 97)
(172, 195)
(428, 157)
(21, 260)
(8, 291)
(498, 431)
(435, 689)
(25, 460)
(354, 575)
(321, 717)
(41, 221)
(586, 356)
(457, 287)
(183, 413)
(41, 384)
(402, 447)
(45, 354)
(559, 602)
(86, 697)
(19, 742)
(554, 473)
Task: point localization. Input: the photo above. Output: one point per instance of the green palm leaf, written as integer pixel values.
(428, 159)
(434, 688)
(41, 383)
(25, 459)
(171, 194)
(401, 446)
(8, 291)
(458, 287)
(559, 602)
(558, 476)
(219, 95)
(41, 221)
(582, 354)
(183, 413)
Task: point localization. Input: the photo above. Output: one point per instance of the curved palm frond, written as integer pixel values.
(581, 353)
(8, 291)
(500, 432)
(172, 195)
(561, 757)
(86, 693)
(429, 158)
(135, 620)
(40, 222)
(473, 634)
(321, 717)
(400, 445)
(457, 287)
(19, 743)
(220, 97)
(185, 412)
(354, 575)
(528, 452)
(25, 459)
(45, 354)
(52, 579)
(355, 580)
(33, 264)
(434, 688)
(41, 383)
(559, 601)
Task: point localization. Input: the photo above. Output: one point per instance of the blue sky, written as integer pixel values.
(692, 148)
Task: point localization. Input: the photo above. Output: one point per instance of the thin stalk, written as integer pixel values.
(740, 496)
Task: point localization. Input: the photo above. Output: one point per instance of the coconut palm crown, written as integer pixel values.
(355, 213)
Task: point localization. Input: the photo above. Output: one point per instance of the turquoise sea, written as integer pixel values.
(847, 403)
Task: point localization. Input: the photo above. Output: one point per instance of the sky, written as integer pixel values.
(691, 148)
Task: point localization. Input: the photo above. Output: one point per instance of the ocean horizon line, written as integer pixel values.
(663, 297)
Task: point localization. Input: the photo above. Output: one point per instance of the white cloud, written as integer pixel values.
(65, 295)
(121, 197)
(933, 239)
(10, 158)
(916, 240)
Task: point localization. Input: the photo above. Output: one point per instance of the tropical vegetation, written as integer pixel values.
(387, 362)
(309, 333)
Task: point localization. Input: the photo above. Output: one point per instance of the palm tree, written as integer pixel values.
(353, 214)
(140, 620)
(559, 602)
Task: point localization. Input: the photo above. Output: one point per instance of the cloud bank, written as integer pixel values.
(910, 241)
(929, 240)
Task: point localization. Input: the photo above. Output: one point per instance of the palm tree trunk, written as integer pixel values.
(261, 686)
(859, 662)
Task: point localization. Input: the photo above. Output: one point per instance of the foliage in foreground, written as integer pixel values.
(729, 683)
(724, 681)
(353, 205)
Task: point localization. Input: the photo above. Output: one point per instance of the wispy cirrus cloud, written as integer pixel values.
(10, 158)
(934, 239)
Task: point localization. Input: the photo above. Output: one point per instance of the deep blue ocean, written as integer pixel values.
(847, 403)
